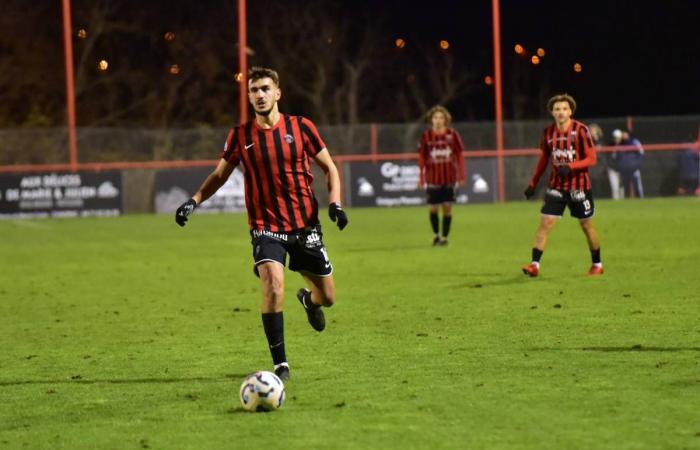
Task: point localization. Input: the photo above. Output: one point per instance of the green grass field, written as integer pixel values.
(131, 333)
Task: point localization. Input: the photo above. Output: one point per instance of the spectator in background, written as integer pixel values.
(441, 168)
(629, 163)
(609, 159)
(689, 172)
(596, 133)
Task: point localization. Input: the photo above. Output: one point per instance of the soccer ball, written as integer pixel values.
(262, 391)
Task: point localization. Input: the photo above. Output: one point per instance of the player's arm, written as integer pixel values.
(335, 211)
(213, 182)
(459, 151)
(422, 152)
(589, 152)
(325, 162)
(539, 169)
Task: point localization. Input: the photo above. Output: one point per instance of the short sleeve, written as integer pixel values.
(313, 143)
(232, 150)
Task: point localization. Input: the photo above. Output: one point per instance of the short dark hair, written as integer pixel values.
(562, 98)
(257, 72)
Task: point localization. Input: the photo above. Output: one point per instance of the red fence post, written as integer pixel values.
(70, 87)
(373, 141)
(242, 62)
(498, 97)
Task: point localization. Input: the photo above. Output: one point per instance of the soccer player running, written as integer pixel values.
(441, 168)
(569, 146)
(274, 150)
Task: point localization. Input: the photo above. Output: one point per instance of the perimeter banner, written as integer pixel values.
(174, 187)
(395, 183)
(82, 194)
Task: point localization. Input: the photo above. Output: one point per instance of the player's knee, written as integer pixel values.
(548, 223)
(586, 224)
(273, 292)
(327, 298)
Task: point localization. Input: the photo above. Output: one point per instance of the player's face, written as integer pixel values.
(561, 111)
(263, 94)
(439, 120)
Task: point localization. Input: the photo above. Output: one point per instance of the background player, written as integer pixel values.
(441, 168)
(569, 146)
(274, 150)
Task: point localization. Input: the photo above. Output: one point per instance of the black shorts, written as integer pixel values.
(580, 203)
(305, 248)
(445, 193)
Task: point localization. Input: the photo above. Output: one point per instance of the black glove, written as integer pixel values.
(336, 213)
(564, 171)
(183, 211)
(529, 192)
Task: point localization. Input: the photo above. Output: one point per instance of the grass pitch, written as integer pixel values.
(131, 333)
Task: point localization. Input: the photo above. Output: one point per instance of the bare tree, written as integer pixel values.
(442, 82)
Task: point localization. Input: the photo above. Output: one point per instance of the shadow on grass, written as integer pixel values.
(501, 281)
(388, 248)
(165, 380)
(640, 348)
(633, 348)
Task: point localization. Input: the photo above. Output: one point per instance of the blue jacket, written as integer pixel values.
(628, 160)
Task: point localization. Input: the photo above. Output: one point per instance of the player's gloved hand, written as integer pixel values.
(336, 213)
(183, 211)
(529, 192)
(564, 171)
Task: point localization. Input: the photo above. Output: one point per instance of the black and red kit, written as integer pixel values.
(440, 158)
(277, 173)
(573, 147)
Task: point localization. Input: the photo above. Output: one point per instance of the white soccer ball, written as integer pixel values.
(262, 391)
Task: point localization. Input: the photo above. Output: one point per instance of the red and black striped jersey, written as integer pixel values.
(440, 157)
(573, 147)
(276, 170)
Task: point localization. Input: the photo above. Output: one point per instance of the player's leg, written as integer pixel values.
(272, 285)
(446, 221)
(435, 223)
(552, 210)
(593, 245)
(539, 243)
(583, 211)
(309, 257)
(270, 256)
(321, 289)
(542, 233)
(591, 234)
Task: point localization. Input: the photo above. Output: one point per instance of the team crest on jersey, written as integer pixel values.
(288, 138)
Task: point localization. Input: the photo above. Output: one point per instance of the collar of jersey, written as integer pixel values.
(277, 125)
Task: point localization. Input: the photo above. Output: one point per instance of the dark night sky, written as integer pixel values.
(638, 58)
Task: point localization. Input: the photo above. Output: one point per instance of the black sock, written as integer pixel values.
(446, 222)
(273, 323)
(536, 254)
(435, 222)
(595, 256)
